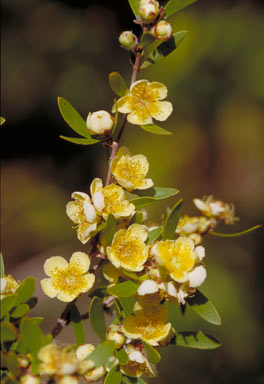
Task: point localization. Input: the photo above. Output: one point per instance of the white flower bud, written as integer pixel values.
(148, 10)
(114, 334)
(128, 40)
(162, 30)
(99, 122)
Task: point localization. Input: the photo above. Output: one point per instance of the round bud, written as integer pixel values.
(148, 10)
(99, 122)
(128, 40)
(162, 30)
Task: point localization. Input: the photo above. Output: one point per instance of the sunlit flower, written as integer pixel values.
(110, 199)
(29, 379)
(115, 334)
(181, 260)
(143, 103)
(57, 360)
(130, 171)
(149, 323)
(99, 122)
(137, 364)
(217, 209)
(93, 374)
(8, 285)
(82, 212)
(67, 280)
(193, 227)
(128, 249)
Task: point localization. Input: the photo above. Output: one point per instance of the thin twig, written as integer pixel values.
(63, 320)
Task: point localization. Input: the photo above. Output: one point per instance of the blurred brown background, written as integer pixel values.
(216, 84)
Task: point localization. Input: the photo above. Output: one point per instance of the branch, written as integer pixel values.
(63, 320)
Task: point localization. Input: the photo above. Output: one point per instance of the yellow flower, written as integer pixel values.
(8, 285)
(93, 374)
(130, 171)
(211, 207)
(115, 334)
(110, 199)
(181, 260)
(143, 102)
(193, 227)
(137, 364)
(29, 379)
(82, 212)
(67, 280)
(128, 249)
(57, 360)
(148, 323)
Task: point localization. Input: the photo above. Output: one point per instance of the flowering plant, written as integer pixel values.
(146, 268)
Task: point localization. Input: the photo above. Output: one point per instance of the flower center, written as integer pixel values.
(130, 169)
(69, 280)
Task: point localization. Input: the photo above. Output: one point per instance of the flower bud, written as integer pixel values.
(128, 40)
(162, 30)
(148, 10)
(29, 379)
(114, 334)
(99, 122)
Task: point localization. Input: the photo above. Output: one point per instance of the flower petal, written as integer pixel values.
(98, 200)
(96, 186)
(160, 110)
(124, 104)
(80, 196)
(157, 90)
(197, 276)
(138, 118)
(81, 261)
(138, 88)
(65, 297)
(89, 212)
(72, 211)
(54, 263)
(138, 231)
(48, 288)
(88, 281)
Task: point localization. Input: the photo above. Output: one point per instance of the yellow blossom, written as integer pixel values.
(82, 212)
(193, 227)
(128, 249)
(137, 364)
(67, 280)
(8, 285)
(130, 171)
(115, 334)
(57, 360)
(143, 102)
(217, 209)
(110, 199)
(181, 260)
(148, 323)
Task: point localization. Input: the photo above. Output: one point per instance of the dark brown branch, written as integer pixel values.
(64, 320)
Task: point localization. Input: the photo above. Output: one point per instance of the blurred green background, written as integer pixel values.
(216, 84)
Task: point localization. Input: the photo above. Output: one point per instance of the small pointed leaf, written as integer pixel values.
(125, 289)
(113, 376)
(79, 141)
(78, 326)
(174, 6)
(152, 354)
(96, 317)
(134, 4)
(153, 235)
(7, 303)
(117, 83)
(110, 229)
(204, 308)
(164, 49)
(196, 340)
(171, 221)
(122, 356)
(102, 353)
(153, 128)
(151, 195)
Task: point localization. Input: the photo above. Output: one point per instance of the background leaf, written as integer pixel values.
(117, 84)
(196, 339)
(152, 354)
(113, 376)
(151, 195)
(80, 141)
(125, 289)
(153, 128)
(110, 229)
(122, 356)
(7, 303)
(153, 235)
(33, 337)
(8, 332)
(102, 353)
(96, 317)
(174, 6)
(78, 326)
(204, 308)
(164, 49)
(2, 265)
(171, 221)
(25, 290)
(127, 304)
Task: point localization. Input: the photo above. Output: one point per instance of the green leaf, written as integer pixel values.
(113, 376)
(7, 303)
(134, 276)
(102, 353)
(146, 39)
(74, 119)
(32, 336)
(20, 311)
(236, 234)
(10, 361)
(151, 195)
(99, 292)
(174, 6)
(8, 332)
(196, 340)
(153, 128)
(138, 218)
(26, 290)
(171, 221)
(127, 304)
(96, 317)
(37, 320)
(2, 265)
(32, 302)
(132, 380)
(164, 49)
(204, 308)
(125, 289)
(2, 120)
(122, 356)
(78, 326)
(79, 141)
(153, 235)
(152, 354)
(134, 5)
(110, 228)
(117, 83)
